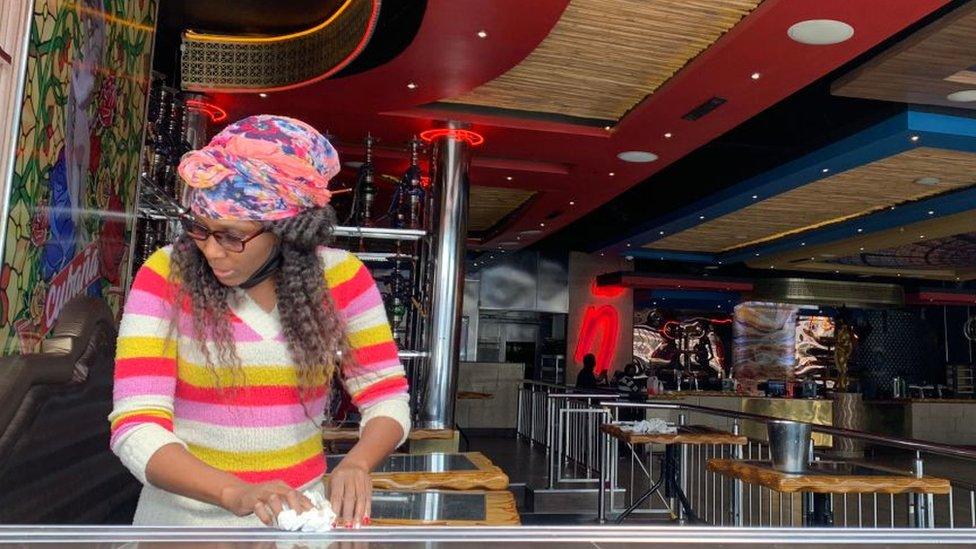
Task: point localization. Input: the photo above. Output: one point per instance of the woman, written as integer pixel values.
(231, 336)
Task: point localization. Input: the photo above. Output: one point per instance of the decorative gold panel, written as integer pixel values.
(251, 63)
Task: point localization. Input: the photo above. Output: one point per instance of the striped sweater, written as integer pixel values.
(260, 431)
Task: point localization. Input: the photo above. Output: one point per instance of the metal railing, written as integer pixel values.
(575, 434)
(721, 501)
(533, 416)
(566, 423)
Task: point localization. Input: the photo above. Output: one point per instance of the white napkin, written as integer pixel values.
(318, 519)
(653, 426)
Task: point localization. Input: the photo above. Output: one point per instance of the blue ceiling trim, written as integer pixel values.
(670, 255)
(887, 138)
(942, 205)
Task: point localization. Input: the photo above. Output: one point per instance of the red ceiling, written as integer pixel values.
(566, 162)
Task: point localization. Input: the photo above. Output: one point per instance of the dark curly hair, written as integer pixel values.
(315, 333)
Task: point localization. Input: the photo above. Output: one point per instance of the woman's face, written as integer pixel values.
(233, 268)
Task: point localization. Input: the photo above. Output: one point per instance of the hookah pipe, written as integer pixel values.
(406, 206)
(365, 191)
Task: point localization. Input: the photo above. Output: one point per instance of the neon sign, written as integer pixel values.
(602, 321)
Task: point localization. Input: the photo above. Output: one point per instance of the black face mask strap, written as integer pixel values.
(272, 264)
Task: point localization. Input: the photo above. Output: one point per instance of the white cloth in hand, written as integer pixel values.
(653, 426)
(318, 519)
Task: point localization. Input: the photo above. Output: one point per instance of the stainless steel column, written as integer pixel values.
(450, 181)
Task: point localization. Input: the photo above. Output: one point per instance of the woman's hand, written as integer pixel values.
(264, 500)
(351, 493)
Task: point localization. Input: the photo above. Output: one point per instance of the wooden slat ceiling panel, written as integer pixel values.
(924, 68)
(605, 56)
(489, 205)
(846, 195)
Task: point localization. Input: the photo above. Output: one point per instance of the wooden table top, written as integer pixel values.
(352, 433)
(824, 481)
(486, 476)
(500, 510)
(687, 434)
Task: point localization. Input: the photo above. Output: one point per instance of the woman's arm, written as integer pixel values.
(377, 383)
(176, 470)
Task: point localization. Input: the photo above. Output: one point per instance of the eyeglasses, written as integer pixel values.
(228, 241)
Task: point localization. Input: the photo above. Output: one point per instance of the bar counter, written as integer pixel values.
(943, 420)
(575, 536)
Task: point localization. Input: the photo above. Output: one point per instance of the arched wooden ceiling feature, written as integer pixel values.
(605, 56)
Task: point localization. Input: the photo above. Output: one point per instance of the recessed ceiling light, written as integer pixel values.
(637, 156)
(921, 236)
(701, 217)
(755, 76)
(572, 202)
(772, 266)
(482, 34)
(667, 135)
(475, 264)
(862, 248)
(661, 233)
(412, 86)
(813, 259)
(914, 138)
(628, 244)
(963, 96)
(825, 170)
(757, 254)
(928, 181)
(860, 230)
(508, 177)
(803, 243)
(719, 262)
(542, 224)
(931, 212)
(755, 196)
(602, 254)
(611, 174)
(820, 32)
(629, 257)
(608, 127)
(262, 95)
(836, 272)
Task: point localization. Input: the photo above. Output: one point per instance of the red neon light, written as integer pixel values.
(474, 139)
(215, 113)
(606, 291)
(606, 321)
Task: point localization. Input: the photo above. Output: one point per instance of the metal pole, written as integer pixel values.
(737, 518)
(451, 158)
(919, 499)
(603, 448)
(683, 472)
